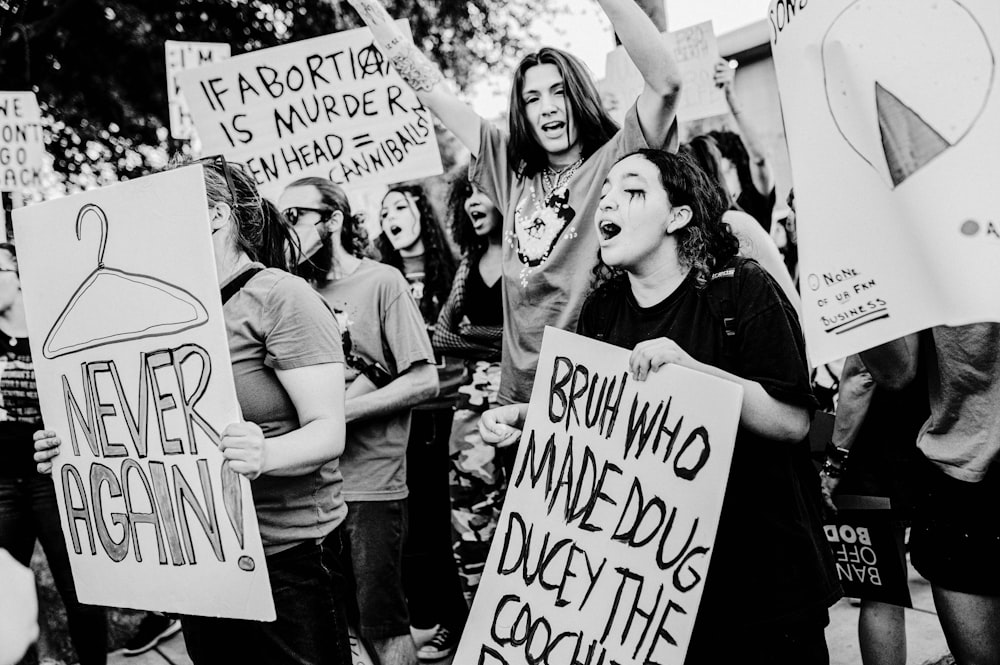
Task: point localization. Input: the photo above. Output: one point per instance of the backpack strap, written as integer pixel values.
(233, 287)
(721, 297)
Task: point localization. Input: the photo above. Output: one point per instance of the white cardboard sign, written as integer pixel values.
(21, 141)
(181, 56)
(696, 52)
(133, 373)
(331, 107)
(893, 120)
(613, 503)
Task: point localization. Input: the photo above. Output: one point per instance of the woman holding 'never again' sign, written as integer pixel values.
(288, 370)
(545, 173)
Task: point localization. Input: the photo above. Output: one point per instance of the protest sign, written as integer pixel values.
(21, 144)
(181, 56)
(609, 522)
(696, 53)
(331, 107)
(892, 124)
(868, 550)
(133, 372)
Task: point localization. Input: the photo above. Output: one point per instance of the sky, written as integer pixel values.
(580, 27)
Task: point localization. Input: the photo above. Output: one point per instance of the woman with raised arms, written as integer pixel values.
(544, 174)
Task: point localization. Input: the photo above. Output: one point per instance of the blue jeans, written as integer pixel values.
(29, 512)
(309, 590)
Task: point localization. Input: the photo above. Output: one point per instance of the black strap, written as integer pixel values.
(230, 289)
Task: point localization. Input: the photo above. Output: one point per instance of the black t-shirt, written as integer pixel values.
(20, 414)
(757, 205)
(770, 548)
(482, 304)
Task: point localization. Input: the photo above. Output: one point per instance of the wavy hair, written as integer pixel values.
(704, 151)
(353, 235)
(462, 231)
(584, 108)
(706, 243)
(439, 263)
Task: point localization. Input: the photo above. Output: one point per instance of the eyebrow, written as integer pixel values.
(525, 91)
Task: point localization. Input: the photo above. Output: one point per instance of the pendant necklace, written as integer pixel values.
(553, 180)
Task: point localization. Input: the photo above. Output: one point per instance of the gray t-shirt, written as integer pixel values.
(278, 322)
(962, 435)
(549, 248)
(380, 322)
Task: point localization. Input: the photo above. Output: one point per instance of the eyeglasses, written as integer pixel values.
(293, 214)
(219, 162)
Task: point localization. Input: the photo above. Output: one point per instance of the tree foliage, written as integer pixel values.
(99, 73)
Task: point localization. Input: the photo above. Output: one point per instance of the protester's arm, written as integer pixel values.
(317, 393)
(421, 74)
(893, 365)
(762, 414)
(657, 103)
(756, 244)
(451, 335)
(855, 396)
(417, 384)
(760, 169)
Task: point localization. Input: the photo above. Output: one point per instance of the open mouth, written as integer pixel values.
(395, 229)
(553, 127)
(609, 230)
(477, 215)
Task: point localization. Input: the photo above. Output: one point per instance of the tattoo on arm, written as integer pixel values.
(414, 67)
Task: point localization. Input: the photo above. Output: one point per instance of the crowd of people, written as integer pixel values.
(384, 385)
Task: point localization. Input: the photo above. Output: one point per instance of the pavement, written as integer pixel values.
(924, 640)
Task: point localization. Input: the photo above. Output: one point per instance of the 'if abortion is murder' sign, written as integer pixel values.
(133, 374)
(610, 517)
(331, 107)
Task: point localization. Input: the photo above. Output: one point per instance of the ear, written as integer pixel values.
(219, 216)
(335, 224)
(680, 217)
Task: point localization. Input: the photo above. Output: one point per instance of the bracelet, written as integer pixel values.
(836, 454)
(831, 470)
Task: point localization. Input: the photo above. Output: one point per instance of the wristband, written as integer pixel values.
(836, 454)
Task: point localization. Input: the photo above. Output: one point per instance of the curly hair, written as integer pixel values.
(706, 243)
(463, 233)
(439, 263)
(353, 235)
(584, 108)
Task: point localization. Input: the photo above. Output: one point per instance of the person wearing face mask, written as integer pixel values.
(544, 173)
(390, 368)
(470, 327)
(667, 255)
(28, 509)
(413, 242)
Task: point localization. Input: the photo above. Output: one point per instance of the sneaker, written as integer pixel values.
(440, 646)
(153, 629)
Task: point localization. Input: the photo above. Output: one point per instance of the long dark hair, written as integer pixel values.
(353, 235)
(439, 263)
(462, 231)
(583, 102)
(731, 147)
(705, 153)
(706, 243)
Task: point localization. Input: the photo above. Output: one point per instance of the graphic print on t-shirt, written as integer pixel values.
(351, 360)
(537, 230)
(18, 393)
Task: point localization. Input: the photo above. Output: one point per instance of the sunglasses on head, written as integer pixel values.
(293, 214)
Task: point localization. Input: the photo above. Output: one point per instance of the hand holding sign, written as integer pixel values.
(244, 448)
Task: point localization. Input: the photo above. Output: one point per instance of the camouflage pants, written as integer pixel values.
(477, 478)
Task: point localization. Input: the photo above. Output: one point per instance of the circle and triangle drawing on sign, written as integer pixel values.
(906, 80)
(112, 305)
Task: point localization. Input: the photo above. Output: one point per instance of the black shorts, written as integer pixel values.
(955, 539)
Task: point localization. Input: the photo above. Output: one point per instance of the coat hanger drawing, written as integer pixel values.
(113, 306)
